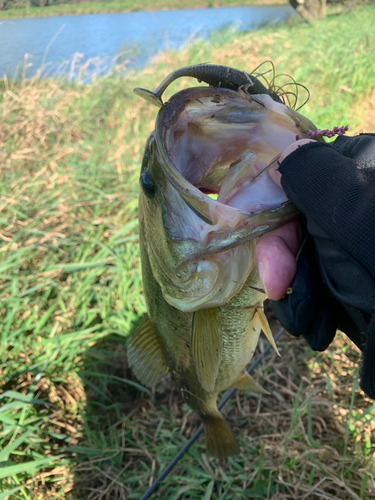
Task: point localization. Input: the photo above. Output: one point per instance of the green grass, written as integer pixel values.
(72, 417)
(98, 7)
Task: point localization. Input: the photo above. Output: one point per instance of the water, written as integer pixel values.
(132, 37)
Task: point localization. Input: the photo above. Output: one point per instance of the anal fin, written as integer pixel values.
(145, 354)
(264, 325)
(247, 383)
(219, 438)
(207, 346)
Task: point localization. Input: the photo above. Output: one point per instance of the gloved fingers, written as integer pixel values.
(273, 169)
(309, 310)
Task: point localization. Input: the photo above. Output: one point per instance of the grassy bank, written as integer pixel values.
(71, 9)
(74, 423)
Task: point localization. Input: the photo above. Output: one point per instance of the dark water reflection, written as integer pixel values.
(131, 36)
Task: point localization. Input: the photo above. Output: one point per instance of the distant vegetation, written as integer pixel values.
(46, 8)
(308, 9)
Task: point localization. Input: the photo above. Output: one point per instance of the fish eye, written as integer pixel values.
(148, 187)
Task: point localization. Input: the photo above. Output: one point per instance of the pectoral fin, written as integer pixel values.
(207, 346)
(247, 383)
(264, 325)
(145, 354)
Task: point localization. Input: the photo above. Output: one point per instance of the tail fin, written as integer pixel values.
(219, 438)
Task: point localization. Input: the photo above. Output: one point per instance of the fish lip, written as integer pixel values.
(206, 208)
(169, 113)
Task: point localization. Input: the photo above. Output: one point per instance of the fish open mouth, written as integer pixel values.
(221, 141)
(212, 141)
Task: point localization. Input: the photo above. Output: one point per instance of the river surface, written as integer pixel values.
(64, 44)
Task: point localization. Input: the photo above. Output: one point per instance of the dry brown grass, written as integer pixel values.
(33, 118)
(367, 123)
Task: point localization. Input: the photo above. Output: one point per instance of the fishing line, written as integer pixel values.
(199, 431)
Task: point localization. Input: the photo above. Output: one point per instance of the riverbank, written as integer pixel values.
(74, 422)
(112, 6)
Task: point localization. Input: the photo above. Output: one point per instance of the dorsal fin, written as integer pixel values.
(264, 325)
(247, 383)
(207, 346)
(145, 354)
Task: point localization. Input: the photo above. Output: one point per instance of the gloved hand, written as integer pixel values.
(333, 185)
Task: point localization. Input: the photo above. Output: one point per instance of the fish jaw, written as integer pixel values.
(191, 278)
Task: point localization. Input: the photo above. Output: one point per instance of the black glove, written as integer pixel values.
(333, 185)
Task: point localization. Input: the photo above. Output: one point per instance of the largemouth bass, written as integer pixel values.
(202, 289)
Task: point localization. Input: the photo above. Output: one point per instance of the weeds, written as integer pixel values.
(74, 423)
